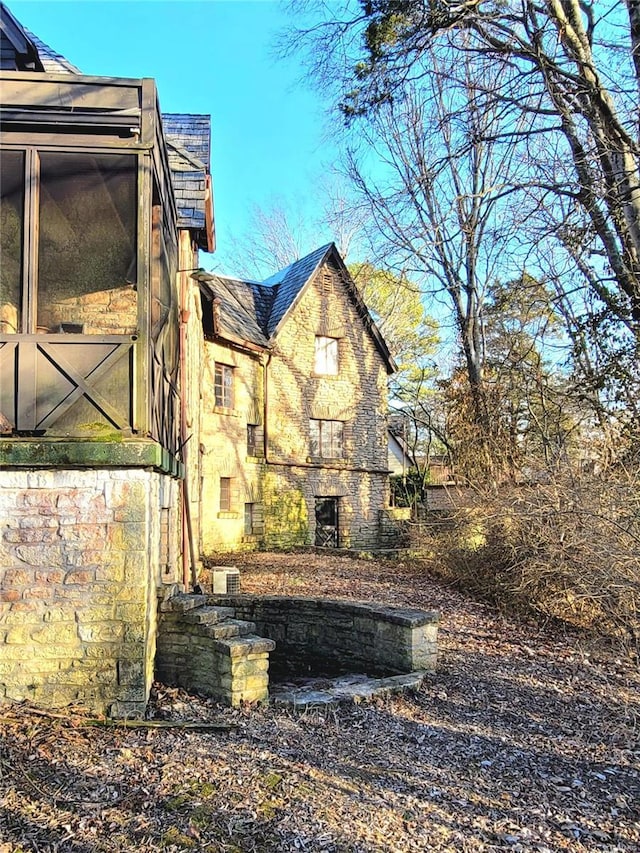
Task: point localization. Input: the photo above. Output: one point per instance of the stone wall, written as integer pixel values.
(322, 635)
(224, 451)
(394, 524)
(289, 498)
(82, 554)
(284, 484)
(356, 395)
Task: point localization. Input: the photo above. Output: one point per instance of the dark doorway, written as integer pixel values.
(327, 522)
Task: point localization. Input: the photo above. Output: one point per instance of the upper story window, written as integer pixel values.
(326, 439)
(224, 386)
(76, 215)
(326, 356)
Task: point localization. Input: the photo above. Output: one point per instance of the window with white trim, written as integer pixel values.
(224, 386)
(326, 356)
(326, 438)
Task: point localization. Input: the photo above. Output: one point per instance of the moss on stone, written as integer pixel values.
(286, 514)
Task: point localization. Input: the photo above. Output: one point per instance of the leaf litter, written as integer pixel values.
(525, 739)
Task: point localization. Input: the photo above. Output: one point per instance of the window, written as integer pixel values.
(77, 213)
(225, 494)
(249, 511)
(326, 356)
(253, 519)
(224, 386)
(326, 438)
(252, 440)
(11, 240)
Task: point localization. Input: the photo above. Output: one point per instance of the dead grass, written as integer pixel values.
(524, 740)
(566, 548)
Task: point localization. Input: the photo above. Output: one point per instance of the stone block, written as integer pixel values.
(59, 633)
(101, 632)
(131, 672)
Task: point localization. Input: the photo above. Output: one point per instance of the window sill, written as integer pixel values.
(315, 375)
(254, 459)
(225, 410)
(320, 460)
(228, 514)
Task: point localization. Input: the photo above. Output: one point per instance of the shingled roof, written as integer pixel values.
(52, 61)
(188, 147)
(289, 283)
(252, 312)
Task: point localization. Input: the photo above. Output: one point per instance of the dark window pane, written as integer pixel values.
(12, 222)
(248, 519)
(87, 248)
(251, 439)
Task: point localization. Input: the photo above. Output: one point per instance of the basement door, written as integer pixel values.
(327, 522)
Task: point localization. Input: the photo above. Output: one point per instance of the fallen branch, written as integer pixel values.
(105, 722)
(195, 726)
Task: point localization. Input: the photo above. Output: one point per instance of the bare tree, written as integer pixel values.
(567, 76)
(285, 230)
(432, 179)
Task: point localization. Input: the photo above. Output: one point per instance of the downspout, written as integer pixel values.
(265, 407)
(189, 568)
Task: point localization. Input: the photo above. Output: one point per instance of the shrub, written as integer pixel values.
(568, 547)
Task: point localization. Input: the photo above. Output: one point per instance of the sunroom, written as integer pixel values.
(88, 260)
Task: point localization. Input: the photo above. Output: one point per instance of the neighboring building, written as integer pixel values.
(294, 419)
(401, 461)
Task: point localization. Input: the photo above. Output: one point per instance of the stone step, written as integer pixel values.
(242, 647)
(208, 615)
(183, 603)
(230, 628)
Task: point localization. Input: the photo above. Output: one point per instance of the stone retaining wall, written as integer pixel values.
(324, 635)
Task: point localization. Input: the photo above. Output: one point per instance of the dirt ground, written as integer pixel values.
(525, 739)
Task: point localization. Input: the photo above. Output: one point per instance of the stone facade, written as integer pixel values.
(82, 554)
(224, 451)
(276, 395)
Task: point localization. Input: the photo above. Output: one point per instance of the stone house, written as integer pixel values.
(101, 209)
(294, 410)
(147, 416)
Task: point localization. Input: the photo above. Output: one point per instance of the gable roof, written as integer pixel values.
(289, 283)
(255, 311)
(17, 49)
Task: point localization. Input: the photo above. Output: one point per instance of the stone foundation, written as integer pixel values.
(80, 565)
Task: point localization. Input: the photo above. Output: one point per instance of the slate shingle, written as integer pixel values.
(188, 148)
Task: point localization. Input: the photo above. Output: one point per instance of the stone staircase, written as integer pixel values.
(205, 649)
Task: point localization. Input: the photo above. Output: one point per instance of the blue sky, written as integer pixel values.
(214, 57)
